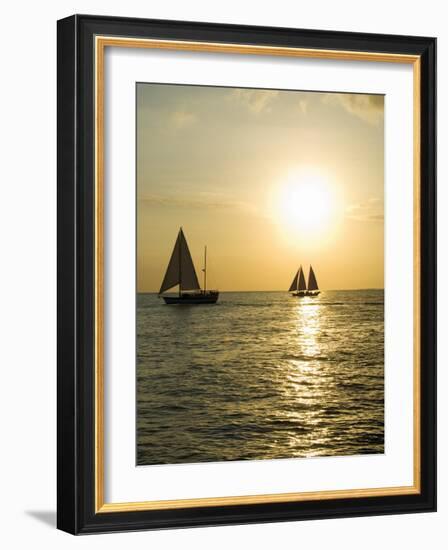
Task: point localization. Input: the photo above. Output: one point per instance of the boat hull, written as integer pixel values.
(306, 293)
(189, 299)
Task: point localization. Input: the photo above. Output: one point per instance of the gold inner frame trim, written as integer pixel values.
(101, 42)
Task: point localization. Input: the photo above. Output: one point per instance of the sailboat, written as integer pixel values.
(181, 272)
(312, 287)
(299, 287)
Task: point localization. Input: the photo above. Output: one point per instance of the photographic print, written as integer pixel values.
(260, 274)
(236, 207)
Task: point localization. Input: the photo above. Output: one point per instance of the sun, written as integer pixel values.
(306, 203)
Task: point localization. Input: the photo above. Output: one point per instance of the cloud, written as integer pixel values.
(216, 201)
(371, 210)
(181, 119)
(367, 107)
(257, 101)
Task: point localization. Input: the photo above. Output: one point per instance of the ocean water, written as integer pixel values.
(260, 375)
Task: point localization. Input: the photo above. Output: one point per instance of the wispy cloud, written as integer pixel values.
(215, 201)
(369, 108)
(257, 101)
(182, 118)
(371, 210)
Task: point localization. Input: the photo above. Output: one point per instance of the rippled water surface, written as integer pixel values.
(260, 375)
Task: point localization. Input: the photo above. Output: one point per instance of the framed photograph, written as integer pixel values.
(246, 274)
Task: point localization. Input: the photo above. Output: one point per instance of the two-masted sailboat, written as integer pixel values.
(299, 287)
(181, 272)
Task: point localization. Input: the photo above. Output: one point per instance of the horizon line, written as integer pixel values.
(287, 291)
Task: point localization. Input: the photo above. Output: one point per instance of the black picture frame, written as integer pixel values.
(76, 511)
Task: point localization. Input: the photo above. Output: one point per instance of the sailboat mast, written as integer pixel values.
(205, 269)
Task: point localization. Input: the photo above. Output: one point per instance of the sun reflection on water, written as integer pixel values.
(307, 382)
(308, 319)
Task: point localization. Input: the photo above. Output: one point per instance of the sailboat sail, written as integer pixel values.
(312, 282)
(302, 284)
(189, 279)
(180, 270)
(294, 283)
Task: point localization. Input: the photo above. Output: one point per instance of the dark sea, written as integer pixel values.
(260, 375)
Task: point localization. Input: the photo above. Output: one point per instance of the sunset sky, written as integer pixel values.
(266, 179)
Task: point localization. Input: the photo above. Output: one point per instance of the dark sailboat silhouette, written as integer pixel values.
(181, 272)
(298, 286)
(312, 288)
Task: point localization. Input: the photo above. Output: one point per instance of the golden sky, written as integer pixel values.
(267, 179)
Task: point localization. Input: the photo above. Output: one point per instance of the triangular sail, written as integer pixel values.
(302, 284)
(312, 282)
(294, 283)
(189, 279)
(180, 270)
(172, 275)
